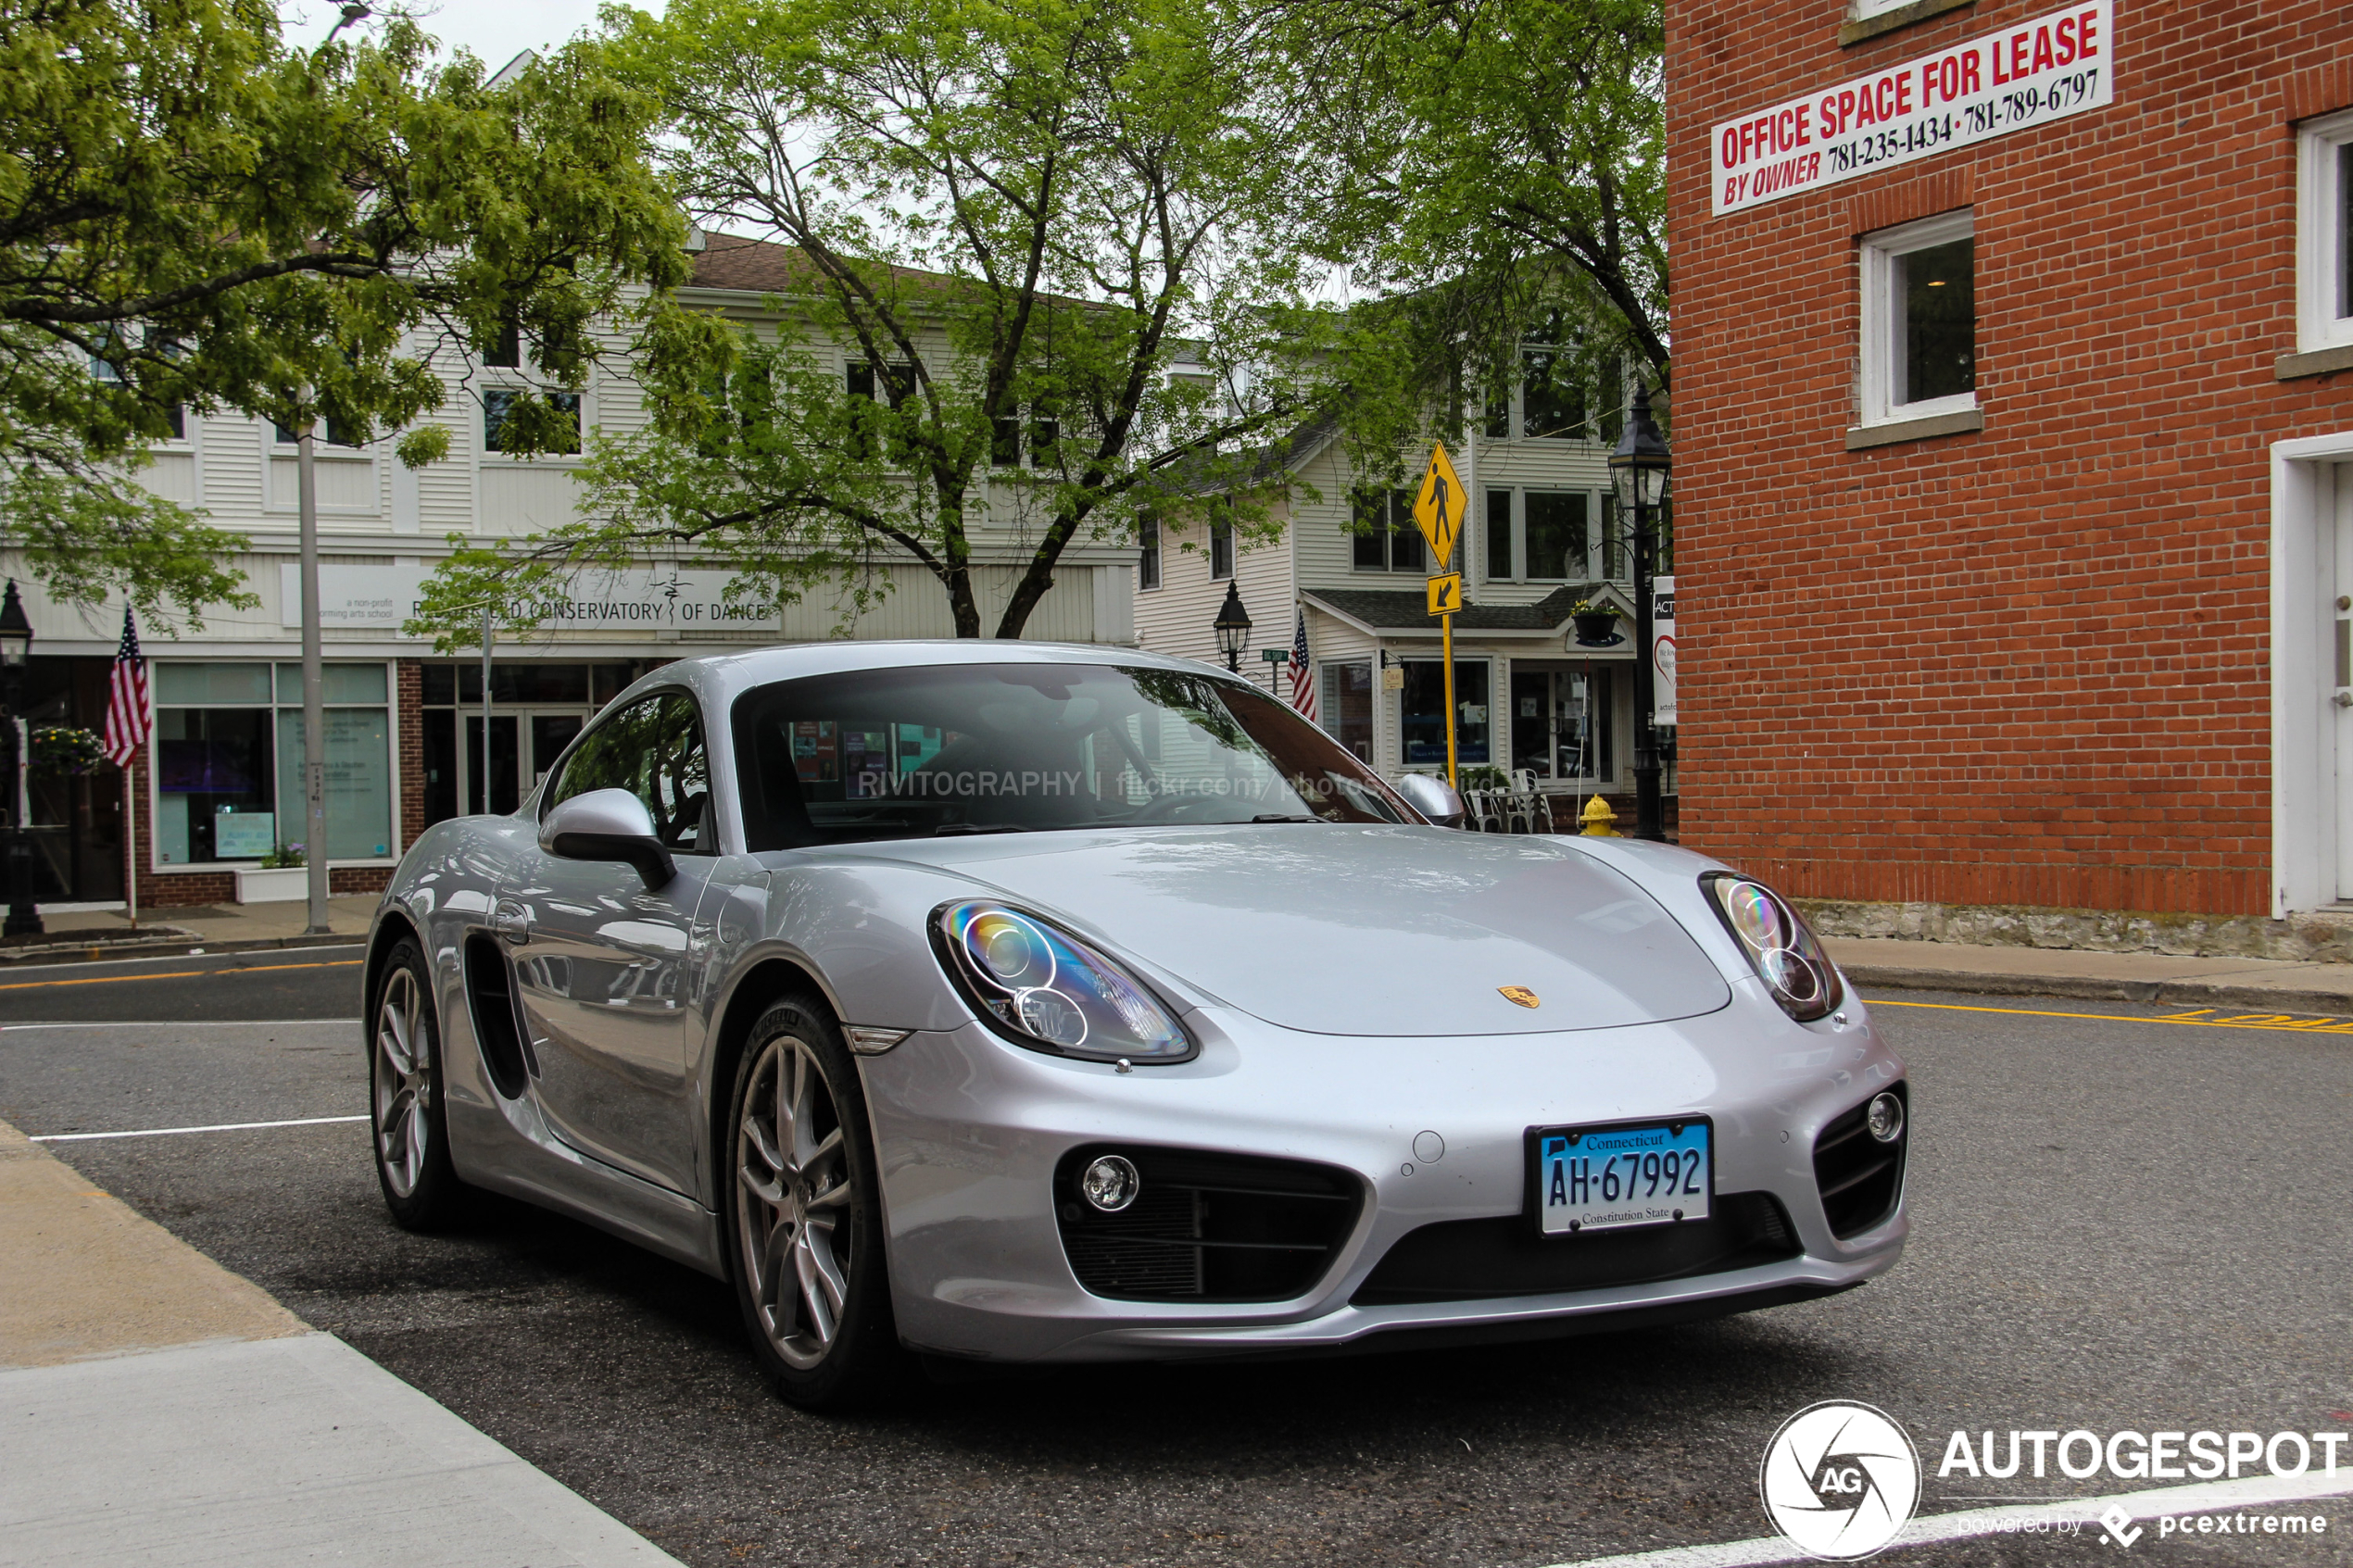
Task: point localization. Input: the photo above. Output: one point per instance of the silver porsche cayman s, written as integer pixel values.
(1023, 1003)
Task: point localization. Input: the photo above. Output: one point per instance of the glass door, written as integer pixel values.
(505, 777)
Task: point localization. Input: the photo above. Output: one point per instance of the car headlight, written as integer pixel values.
(1779, 945)
(1039, 987)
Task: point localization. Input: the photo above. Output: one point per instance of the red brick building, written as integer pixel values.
(2014, 448)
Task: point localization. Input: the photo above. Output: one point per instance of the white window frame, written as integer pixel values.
(1881, 371)
(1515, 569)
(2324, 314)
(1226, 528)
(1865, 9)
(157, 866)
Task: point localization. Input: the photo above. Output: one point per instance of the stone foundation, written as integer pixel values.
(2308, 939)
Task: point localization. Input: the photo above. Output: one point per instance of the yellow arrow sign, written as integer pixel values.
(1446, 594)
(1438, 511)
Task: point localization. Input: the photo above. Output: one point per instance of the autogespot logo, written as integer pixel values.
(1839, 1480)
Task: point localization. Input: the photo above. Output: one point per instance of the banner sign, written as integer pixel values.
(2042, 71)
(1663, 652)
(644, 598)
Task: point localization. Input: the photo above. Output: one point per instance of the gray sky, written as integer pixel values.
(496, 30)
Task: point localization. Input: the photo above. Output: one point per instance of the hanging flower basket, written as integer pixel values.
(60, 751)
(1596, 627)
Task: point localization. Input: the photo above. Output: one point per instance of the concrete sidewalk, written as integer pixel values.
(227, 928)
(1891, 963)
(157, 1409)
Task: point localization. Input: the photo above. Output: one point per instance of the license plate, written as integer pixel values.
(1610, 1178)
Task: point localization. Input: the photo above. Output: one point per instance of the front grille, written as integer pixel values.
(1476, 1259)
(1207, 1227)
(1860, 1176)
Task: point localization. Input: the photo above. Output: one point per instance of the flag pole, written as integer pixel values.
(129, 848)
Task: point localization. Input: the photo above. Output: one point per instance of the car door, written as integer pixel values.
(604, 965)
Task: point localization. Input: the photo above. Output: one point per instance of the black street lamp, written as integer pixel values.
(1233, 629)
(16, 647)
(1640, 470)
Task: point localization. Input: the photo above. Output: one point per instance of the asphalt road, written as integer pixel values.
(2121, 1225)
(274, 983)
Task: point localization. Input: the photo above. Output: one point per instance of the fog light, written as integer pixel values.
(1109, 1183)
(1886, 1118)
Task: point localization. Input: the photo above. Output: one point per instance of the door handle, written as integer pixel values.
(512, 921)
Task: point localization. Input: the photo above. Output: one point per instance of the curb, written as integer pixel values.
(189, 941)
(2192, 992)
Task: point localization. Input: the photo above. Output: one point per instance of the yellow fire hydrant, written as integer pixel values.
(1598, 818)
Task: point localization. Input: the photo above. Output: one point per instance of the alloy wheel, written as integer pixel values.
(794, 1190)
(402, 1082)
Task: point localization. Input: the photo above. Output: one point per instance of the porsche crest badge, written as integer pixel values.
(1519, 994)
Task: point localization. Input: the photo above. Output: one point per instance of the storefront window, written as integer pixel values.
(1348, 706)
(228, 757)
(1422, 711)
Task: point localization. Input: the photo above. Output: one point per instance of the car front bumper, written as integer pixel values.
(970, 1128)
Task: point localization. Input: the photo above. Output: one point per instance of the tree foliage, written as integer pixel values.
(1490, 163)
(1044, 277)
(210, 220)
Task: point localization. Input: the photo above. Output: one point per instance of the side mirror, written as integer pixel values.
(1432, 796)
(608, 824)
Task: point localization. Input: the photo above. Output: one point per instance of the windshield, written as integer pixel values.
(957, 748)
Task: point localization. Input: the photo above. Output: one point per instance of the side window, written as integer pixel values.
(1919, 321)
(654, 749)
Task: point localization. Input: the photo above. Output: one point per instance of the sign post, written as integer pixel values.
(1274, 655)
(1437, 512)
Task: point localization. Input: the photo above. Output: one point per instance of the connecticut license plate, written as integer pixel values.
(1608, 1178)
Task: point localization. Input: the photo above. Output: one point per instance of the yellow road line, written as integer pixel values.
(177, 974)
(2195, 1018)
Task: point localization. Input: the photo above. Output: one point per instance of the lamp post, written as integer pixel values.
(1233, 629)
(16, 648)
(1639, 471)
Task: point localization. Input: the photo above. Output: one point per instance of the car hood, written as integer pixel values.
(1374, 930)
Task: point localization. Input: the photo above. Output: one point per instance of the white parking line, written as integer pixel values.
(2204, 1496)
(217, 1127)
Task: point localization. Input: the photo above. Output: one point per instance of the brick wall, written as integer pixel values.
(2029, 664)
(411, 763)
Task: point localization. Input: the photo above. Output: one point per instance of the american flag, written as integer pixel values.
(127, 720)
(1302, 675)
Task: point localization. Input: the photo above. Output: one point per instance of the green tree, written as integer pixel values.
(194, 216)
(1489, 164)
(1054, 241)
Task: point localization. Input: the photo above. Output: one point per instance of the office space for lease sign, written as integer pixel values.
(2024, 76)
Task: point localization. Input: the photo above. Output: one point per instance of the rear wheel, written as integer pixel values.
(406, 1122)
(807, 1215)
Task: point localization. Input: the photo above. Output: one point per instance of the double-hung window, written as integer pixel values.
(1919, 321)
(2324, 233)
(1386, 538)
(1221, 549)
(1147, 551)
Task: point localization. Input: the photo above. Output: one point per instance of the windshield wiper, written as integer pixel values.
(949, 829)
(1279, 817)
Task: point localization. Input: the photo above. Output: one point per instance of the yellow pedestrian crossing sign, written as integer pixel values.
(1446, 594)
(1438, 509)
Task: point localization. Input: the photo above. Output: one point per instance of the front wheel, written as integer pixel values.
(807, 1214)
(407, 1125)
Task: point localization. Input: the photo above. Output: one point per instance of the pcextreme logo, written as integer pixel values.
(1840, 1479)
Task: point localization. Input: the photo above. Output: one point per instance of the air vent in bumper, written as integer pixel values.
(1207, 1227)
(1860, 1177)
(1477, 1260)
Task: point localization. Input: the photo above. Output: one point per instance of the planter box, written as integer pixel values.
(280, 887)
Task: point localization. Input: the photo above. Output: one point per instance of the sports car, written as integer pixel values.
(1018, 1003)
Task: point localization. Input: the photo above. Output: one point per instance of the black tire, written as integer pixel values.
(408, 1127)
(804, 1215)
